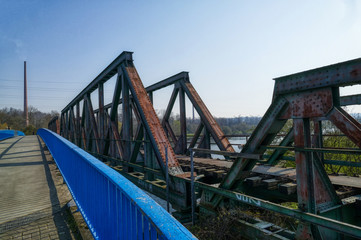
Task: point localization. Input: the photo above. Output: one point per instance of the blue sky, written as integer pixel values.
(232, 49)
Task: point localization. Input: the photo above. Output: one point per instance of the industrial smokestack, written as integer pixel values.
(25, 98)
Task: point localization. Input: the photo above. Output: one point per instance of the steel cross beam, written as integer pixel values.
(336, 75)
(101, 132)
(304, 97)
(151, 121)
(89, 124)
(182, 84)
(105, 75)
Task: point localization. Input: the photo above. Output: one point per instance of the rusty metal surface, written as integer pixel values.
(153, 121)
(207, 161)
(311, 96)
(309, 104)
(304, 182)
(341, 74)
(216, 132)
(311, 189)
(347, 124)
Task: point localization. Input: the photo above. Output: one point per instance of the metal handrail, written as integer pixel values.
(112, 206)
(5, 134)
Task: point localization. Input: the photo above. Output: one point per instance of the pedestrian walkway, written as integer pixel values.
(29, 203)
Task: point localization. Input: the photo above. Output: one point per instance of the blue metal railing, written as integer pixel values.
(112, 206)
(5, 134)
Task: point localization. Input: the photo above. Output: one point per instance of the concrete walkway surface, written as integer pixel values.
(29, 203)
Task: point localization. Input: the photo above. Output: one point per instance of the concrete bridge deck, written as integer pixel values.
(29, 203)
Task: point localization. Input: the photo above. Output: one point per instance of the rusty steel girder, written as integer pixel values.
(307, 97)
(144, 139)
(97, 131)
(140, 142)
(150, 117)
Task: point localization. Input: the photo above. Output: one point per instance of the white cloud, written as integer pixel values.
(17, 45)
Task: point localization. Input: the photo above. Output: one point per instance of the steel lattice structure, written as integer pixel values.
(307, 99)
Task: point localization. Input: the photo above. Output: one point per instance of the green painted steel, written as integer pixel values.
(345, 228)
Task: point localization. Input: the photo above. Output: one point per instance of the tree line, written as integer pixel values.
(12, 118)
(235, 125)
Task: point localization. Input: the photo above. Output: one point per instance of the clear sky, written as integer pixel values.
(232, 49)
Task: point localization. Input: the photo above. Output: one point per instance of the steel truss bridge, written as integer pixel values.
(145, 149)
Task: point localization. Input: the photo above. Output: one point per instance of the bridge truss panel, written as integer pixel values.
(307, 98)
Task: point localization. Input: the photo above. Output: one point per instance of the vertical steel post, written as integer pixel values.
(192, 186)
(167, 175)
(304, 166)
(61, 124)
(126, 121)
(320, 139)
(148, 156)
(93, 125)
(207, 139)
(205, 143)
(150, 94)
(183, 127)
(115, 102)
(86, 124)
(131, 124)
(71, 125)
(67, 124)
(101, 116)
(305, 174)
(310, 167)
(78, 127)
(193, 113)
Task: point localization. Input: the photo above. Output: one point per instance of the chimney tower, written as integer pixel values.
(25, 98)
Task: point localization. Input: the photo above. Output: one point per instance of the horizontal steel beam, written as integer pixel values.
(230, 154)
(340, 74)
(325, 161)
(106, 74)
(332, 224)
(322, 150)
(159, 85)
(237, 135)
(350, 100)
(329, 223)
(168, 81)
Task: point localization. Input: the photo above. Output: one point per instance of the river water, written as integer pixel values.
(237, 143)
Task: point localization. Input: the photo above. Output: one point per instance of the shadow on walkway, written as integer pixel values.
(60, 214)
